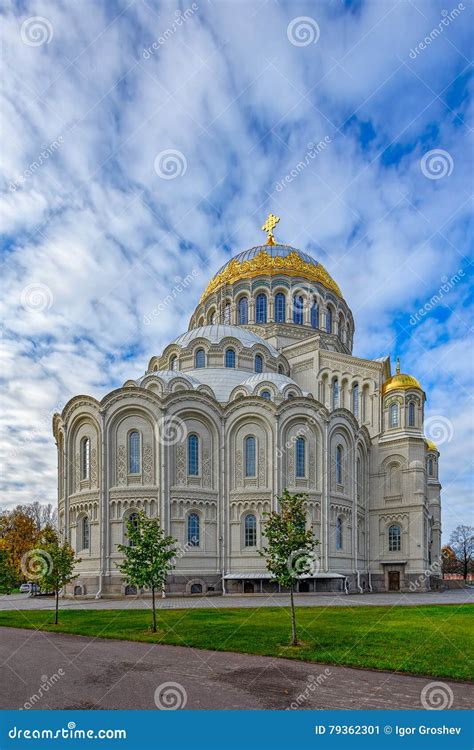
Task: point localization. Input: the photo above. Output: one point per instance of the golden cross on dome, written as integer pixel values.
(398, 366)
(269, 226)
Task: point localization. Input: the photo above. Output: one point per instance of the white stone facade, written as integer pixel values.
(205, 434)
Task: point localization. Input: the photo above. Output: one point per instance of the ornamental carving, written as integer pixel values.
(264, 264)
(148, 465)
(121, 465)
(261, 467)
(77, 470)
(94, 466)
(238, 468)
(180, 464)
(206, 467)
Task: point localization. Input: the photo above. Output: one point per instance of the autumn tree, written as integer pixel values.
(8, 576)
(149, 556)
(18, 536)
(462, 542)
(290, 549)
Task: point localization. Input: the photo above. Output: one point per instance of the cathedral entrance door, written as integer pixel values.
(394, 580)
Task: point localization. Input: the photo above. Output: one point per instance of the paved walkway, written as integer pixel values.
(88, 673)
(455, 596)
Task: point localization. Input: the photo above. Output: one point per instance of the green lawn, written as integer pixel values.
(429, 640)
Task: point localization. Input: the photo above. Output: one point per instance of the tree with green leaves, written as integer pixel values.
(290, 550)
(8, 575)
(149, 555)
(55, 566)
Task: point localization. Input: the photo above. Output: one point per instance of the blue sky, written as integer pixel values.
(100, 221)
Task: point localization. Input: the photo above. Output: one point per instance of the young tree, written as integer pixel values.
(55, 567)
(8, 576)
(290, 551)
(149, 555)
(462, 542)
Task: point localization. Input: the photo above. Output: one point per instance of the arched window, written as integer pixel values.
(200, 358)
(339, 464)
(394, 538)
(258, 363)
(193, 530)
(280, 305)
(280, 369)
(213, 318)
(267, 395)
(250, 456)
(335, 394)
(174, 362)
(300, 451)
(358, 478)
(328, 320)
(85, 458)
(243, 311)
(291, 394)
(193, 455)
(430, 467)
(298, 308)
(227, 313)
(355, 401)
(250, 530)
(229, 358)
(411, 414)
(339, 533)
(314, 315)
(261, 308)
(134, 453)
(85, 533)
(394, 415)
(133, 519)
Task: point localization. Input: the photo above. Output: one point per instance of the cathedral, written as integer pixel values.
(262, 393)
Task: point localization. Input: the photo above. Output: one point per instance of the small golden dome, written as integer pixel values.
(400, 382)
(431, 446)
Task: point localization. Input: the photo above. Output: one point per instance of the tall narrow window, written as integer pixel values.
(267, 395)
(200, 358)
(411, 414)
(250, 454)
(229, 358)
(335, 395)
(174, 362)
(85, 533)
(193, 530)
(358, 478)
(258, 363)
(193, 455)
(329, 320)
(243, 311)
(314, 315)
(280, 304)
(133, 519)
(339, 532)
(355, 401)
(430, 467)
(250, 530)
(300, 450)
(85, 458)
(227, 314)
(339, 464)
(261, 308)
(394, 415)
(298, 309)
(394, 538)
(134, 453)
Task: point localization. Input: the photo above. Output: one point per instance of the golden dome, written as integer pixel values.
(431, 446)
(271, 259)
(400, 382)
